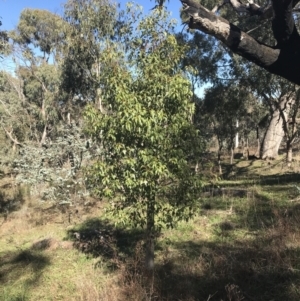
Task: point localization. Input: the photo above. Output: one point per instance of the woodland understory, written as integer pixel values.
(139, 161)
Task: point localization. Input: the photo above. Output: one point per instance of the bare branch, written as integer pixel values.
(10, 136)
(250, 8)
(219, 6)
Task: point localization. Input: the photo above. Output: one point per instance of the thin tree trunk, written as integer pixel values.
(257, 153)
(44, 135)
(231, 156)
(237, 135)
(10, 136)
(150, 236)
(219, 159)
(247, 149)
(289, 153)
(150, 239)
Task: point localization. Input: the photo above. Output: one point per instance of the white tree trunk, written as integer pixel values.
(237, 135)
(275, 132)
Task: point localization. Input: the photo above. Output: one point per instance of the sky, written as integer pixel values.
(10, 9)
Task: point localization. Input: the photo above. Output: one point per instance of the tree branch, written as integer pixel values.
(235, 39)
(9, 135)
(283, 24)
(250, 8)
(282, 60)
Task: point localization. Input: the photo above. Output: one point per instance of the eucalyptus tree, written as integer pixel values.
(57, 166)
(275, 48)
(53, 150)
(42, 30)
(14, 118)
(146, 130)
(212, 62)
(221, 109)
(40, 88)
(280, 98)
(3, 41)
(37, 50)
(90, 24)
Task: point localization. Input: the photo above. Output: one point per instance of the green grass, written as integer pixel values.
(243, 243)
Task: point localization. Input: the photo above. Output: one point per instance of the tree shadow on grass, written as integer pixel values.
(21, 268)
(286, 178)
(11, 202)
(232, 272)
(262, 267)
(97, 237)
(262, 263)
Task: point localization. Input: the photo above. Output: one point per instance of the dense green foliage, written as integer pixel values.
(146, 132)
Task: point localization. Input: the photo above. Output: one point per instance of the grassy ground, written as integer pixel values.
(243, 245)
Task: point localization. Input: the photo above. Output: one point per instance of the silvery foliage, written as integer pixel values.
(57, 164)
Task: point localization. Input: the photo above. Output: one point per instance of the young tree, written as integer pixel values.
(146, 131)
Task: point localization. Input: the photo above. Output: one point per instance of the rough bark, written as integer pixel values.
(282, 60)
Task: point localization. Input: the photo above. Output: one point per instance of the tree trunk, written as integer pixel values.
(272, 138)
(231, 156)
(257, 153)
(219, 157)
(289, 153)
(275, 130)
(44, 136)
(149, 260)
(237, 135)
(246, 149)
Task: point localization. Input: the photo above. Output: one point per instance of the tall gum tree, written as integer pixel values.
(212, 64)
(280, 97)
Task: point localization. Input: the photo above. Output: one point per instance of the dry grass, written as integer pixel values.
(243, 245)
